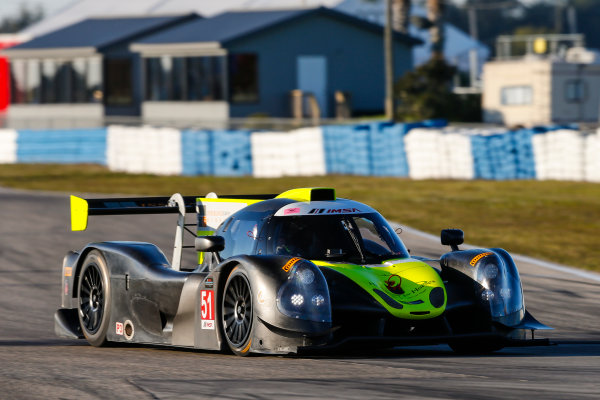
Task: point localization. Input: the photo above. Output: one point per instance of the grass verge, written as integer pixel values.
(554, 221)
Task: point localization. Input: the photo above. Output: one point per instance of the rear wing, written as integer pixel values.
(81, 208)
(211, 209)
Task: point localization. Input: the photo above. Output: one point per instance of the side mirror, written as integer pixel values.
(452, 238)
(209, 244)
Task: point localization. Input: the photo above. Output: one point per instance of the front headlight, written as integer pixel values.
(305, 294)
(500, 288)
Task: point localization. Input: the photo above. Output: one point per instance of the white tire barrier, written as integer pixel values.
(296, 153)
(8, 146)
(144, 150)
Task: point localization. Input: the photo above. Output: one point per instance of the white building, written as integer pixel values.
(542, 90)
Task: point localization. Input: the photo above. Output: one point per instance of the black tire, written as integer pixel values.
(237, 312)
(93, 298)
(476, 347)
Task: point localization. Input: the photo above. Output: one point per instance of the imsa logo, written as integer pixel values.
(334, 210)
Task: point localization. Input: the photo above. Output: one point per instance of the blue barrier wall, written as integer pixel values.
(220, 153)
(62, 146)
(367, 149)
(503, 156)
(196, 152)
(388, 155)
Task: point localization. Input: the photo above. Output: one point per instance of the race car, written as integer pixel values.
(291, 273)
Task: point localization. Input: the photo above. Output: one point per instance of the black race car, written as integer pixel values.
(280, 274)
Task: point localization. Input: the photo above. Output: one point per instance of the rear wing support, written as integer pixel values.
(177, 201)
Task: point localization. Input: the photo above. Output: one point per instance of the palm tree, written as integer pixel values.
(435, 11)
(400, 15)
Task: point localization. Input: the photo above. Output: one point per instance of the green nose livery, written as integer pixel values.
(407, 288)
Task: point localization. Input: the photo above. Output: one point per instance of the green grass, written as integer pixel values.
(555, 221)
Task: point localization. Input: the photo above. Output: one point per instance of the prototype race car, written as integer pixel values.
(288, 273)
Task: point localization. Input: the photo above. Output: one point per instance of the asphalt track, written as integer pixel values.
(34, 235)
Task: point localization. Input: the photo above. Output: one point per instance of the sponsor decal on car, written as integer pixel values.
(260, 296)
(288, 265)
(119, 328)
(209, 283)
(334, 210)
(393, 284)
(479, 257)
(68, 271)
(289, 211)
(207, 309)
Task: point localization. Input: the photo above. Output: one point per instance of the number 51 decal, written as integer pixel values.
(207, 309)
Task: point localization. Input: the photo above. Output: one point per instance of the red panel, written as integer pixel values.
(4, 85)
(5, 77)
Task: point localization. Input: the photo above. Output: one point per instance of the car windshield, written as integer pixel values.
(356, 238)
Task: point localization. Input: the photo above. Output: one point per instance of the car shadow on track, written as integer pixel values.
(40, 343)
(562, 348)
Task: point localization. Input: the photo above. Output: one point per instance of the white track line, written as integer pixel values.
(592, 276)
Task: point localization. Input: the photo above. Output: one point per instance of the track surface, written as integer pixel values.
(34, 235)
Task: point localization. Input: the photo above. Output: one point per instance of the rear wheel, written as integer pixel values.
(93, 298)
(237, 312)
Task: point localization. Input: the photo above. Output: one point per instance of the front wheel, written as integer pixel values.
(237, 312)
(93, 298)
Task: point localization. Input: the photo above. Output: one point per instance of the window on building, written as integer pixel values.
(118, 90)
(33, 82)
(184, 78)
(178, 81)
(94, 80)
(49, 81)
(153, 79)
(78, 80)
(516, 95)
(62, 82)
(243, 78)
(574, 91)
(56, 81)
(18, 89)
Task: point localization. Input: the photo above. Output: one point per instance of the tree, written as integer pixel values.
(24, 18)
(426, 93)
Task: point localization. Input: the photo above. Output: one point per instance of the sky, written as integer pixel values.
(11, 7)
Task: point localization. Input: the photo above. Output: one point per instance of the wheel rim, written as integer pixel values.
(91, 298)
(237, 311)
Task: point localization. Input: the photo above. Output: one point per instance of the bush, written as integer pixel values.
(426, 93)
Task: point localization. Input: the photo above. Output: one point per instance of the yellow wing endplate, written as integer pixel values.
(79, 213)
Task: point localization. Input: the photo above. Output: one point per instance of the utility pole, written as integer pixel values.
(572, 17)
(388, 51)
(473, 56)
